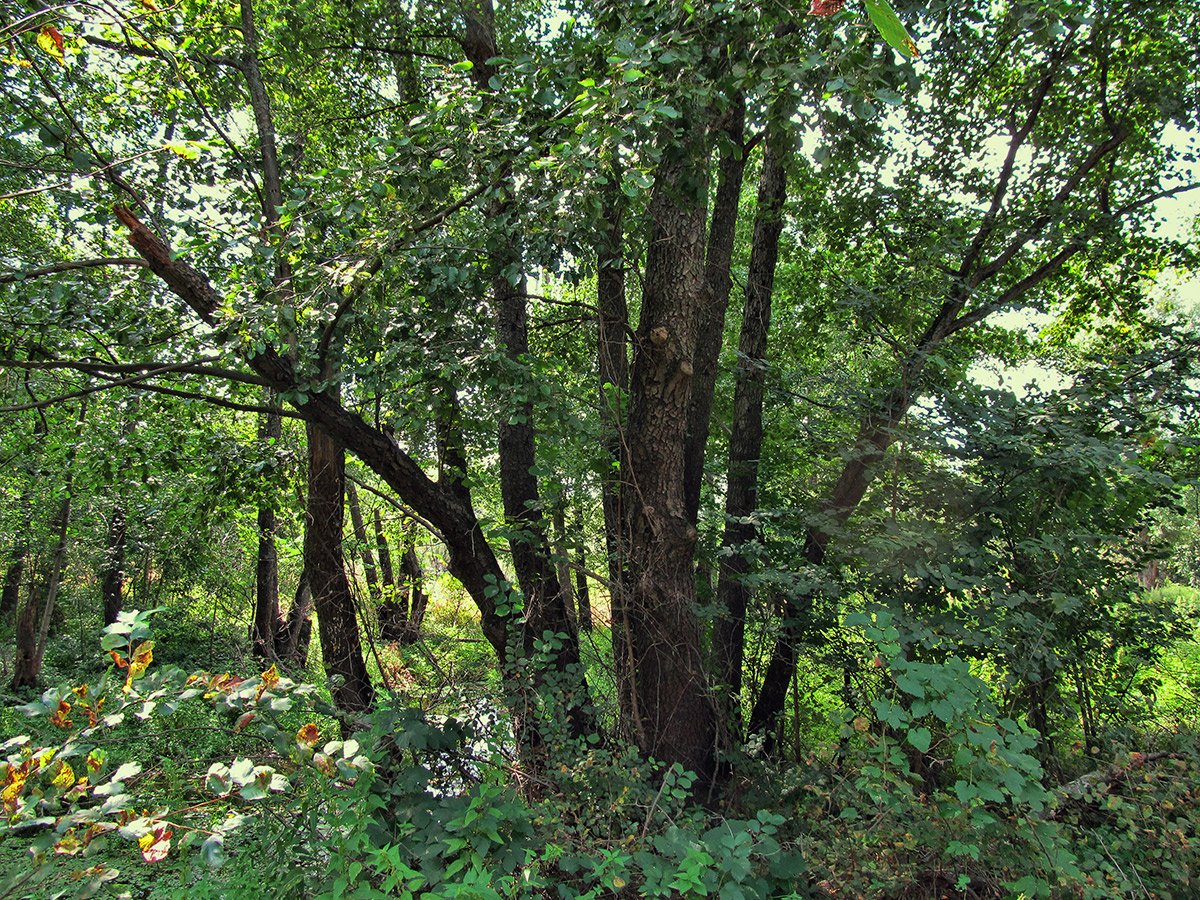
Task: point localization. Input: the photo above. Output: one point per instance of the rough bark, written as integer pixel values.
(710, 327)
(745, 442)
(675, 716)
(341, 647)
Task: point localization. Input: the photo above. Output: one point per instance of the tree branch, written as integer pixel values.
(72, 266)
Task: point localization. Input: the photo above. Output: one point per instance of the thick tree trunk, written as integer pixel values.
(112, 579)
(446, 503)
(266, 573)
(710, 327)
(675, 718)
(745, 442)
(341, 647)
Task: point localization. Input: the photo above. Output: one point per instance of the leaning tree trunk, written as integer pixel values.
(745, 442)
(341, 647)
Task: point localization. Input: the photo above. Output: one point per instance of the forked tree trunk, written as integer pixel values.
(710, 326)
(745, 442)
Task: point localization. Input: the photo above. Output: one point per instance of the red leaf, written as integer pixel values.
(825, 7)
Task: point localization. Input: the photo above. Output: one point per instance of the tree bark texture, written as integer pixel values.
(341, 647)
(675, 717)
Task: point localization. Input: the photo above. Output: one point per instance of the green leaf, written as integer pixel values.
(891, 28)
(920, 738)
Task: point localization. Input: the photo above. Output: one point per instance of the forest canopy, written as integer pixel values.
(611, 449)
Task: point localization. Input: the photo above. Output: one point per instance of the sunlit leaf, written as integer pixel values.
(891, 28)
(51, 42)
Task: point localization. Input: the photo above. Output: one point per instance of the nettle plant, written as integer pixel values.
(62, 789)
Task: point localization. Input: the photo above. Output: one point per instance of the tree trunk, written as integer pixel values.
(393, 611)
(11, 595)
(581, 579)
(33, 624)
(385, 556)
(710, 327)
(364, 547)
(562, 561)
(266, 572)
(612, 354)
(745, 442)
(341, 648)
(293, 633)
(112, 580)
(675, 718)
(414, 580)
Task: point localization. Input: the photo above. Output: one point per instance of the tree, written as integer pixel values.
(404, 163)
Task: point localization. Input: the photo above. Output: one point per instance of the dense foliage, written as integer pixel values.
(590, 450)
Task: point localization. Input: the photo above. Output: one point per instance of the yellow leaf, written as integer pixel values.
(308, 735)
(51, 42)
(156, 844)
(65, 778)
